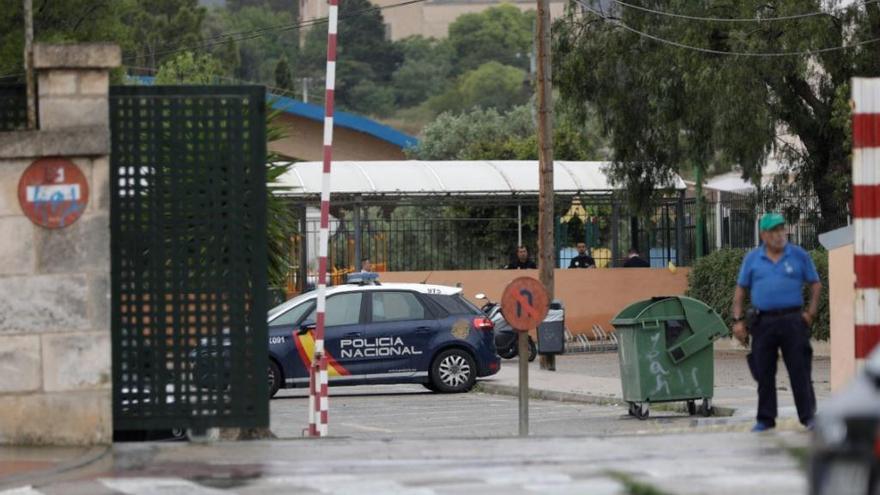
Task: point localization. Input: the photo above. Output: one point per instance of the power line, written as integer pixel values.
(676, 44)
(741, 19)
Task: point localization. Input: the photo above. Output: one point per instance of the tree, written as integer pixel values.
(68, 21)
(229, 56)
(665, 108)
(255, 56)
(283, 79)
(371, 98)
(189, 68)
(491, 85)
(490, 135)
(427, 64)
(290, 6)
(363, 52)
(161, 28)
(502, 34)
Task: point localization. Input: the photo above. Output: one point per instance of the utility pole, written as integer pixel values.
(700, 231)
(546, 248)
(29, 64)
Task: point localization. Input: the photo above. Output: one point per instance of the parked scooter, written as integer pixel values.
(505, 335)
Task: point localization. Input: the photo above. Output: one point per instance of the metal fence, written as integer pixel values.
(13, 107)
(430, 243)
(475, 236)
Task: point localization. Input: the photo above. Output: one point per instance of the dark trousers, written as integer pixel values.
(790, 334)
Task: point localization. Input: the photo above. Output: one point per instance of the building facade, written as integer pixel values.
(430, 18)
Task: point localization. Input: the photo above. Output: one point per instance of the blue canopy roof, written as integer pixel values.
(342, 119)
(316, 113)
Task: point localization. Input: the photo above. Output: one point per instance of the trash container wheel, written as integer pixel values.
(692, 407)
(706, 408)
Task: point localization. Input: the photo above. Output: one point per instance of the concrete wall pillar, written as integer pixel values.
(55, 371)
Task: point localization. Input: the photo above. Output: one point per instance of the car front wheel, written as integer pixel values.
(274, 379)
(453, 371)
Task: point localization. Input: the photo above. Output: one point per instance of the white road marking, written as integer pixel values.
(520, 477)
(346, 485)
(159, 486)
(22, 490)
(366, 428)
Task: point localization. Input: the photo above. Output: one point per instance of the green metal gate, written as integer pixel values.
(188, 248)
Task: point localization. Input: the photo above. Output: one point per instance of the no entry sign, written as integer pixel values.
(53, 192)
(524, 303)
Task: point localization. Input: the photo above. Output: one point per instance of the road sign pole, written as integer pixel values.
(523, 343)
(524, 304)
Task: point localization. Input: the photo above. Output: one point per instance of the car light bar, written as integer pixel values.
(363, 278)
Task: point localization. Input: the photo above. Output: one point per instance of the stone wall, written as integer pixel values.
(55, 284)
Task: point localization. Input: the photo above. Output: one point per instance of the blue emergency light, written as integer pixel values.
(363, 278)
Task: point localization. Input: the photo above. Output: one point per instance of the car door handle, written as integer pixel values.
(423, 329)
(354, 334)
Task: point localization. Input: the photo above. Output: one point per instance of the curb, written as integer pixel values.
(600, 400)
(540, 394)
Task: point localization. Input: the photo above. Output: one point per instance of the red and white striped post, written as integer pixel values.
(319, 399)
(866, 213)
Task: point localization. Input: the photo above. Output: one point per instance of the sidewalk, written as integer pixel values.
(595, 378)
(19, 464)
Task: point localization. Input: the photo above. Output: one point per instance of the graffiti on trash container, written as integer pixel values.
(656, 368)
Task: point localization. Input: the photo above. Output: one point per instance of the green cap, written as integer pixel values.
(771, 220)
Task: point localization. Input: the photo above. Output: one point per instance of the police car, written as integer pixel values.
(384, 333)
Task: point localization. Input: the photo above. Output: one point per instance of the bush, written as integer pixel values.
(713, 279)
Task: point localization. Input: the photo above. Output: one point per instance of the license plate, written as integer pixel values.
(847, 478)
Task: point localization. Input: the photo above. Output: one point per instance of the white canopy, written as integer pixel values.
(420, 178)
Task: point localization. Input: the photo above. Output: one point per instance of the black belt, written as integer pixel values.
(780, 312)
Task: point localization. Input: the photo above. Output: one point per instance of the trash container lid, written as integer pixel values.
(697, 313)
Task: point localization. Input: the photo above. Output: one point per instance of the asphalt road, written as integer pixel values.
(680, 464)
(411, 411)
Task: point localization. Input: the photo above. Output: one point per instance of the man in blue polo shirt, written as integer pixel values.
(774, 274)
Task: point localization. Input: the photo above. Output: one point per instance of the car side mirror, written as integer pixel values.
(480, 296)
(305, 326)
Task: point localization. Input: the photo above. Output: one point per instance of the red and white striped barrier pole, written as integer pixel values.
(319, 399)
(866, 213)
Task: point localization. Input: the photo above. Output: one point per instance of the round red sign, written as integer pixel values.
(53, 192)
(524, 304)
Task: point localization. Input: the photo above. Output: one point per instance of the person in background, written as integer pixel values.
(633, 260)
(582, 260)
(522, 261)
(366, 266)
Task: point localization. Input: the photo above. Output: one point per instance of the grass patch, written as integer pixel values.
(410, 120)
(634, 487)
(799, 454)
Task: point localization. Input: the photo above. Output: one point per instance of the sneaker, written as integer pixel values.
(759, 427)
(811, 425)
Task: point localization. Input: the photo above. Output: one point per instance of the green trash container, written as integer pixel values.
(665, 346)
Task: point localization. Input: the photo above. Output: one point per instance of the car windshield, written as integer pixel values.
(277, 310)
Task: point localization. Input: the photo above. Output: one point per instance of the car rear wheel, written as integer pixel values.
(453, 371)
(274, 378)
